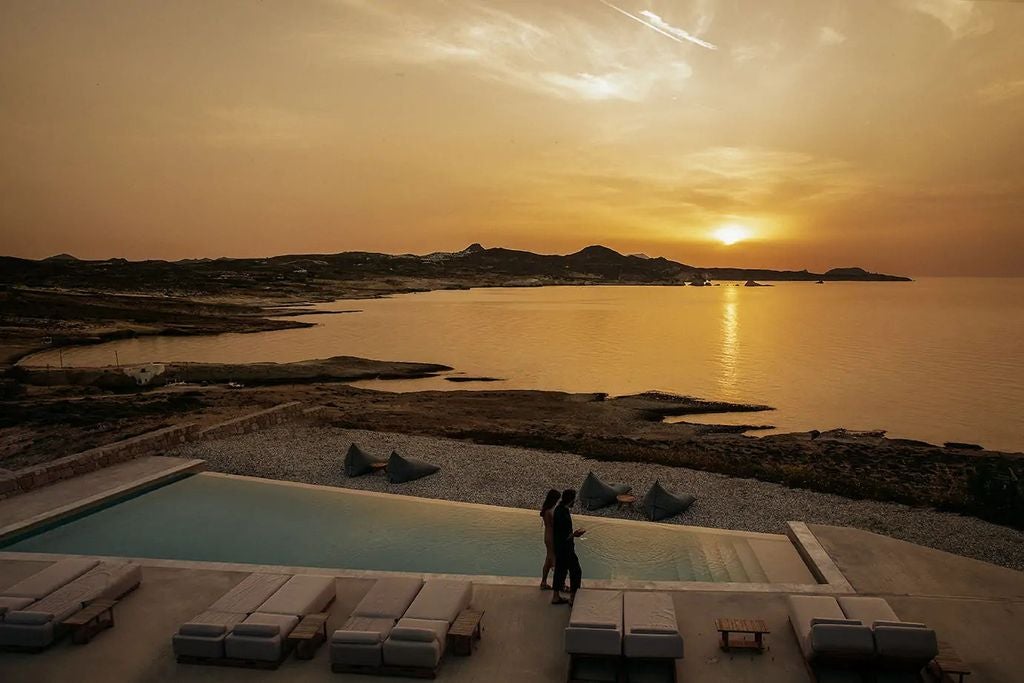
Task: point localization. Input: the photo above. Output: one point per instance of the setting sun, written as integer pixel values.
(732, 233)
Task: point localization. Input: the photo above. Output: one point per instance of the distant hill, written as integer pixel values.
(321, 274)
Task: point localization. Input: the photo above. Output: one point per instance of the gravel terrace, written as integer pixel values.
(519, 477)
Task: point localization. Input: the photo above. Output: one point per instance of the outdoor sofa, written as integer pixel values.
(898, 644)
(262, 636)
(630, 631)
(201, 639)
(39, 624)
(825, 633)
(43, 582)
(417, 642)
(358, 645)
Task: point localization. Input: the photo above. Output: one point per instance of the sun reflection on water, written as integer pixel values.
(729, 353)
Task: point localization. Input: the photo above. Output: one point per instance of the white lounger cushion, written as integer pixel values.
(441, 600)
(34, 626)
(29, 618)
(867, 610)
(249, 593)
(651, 629)
(106, 580)
(424, 646)
(300, 595)
(267, 625)
(359, 641)
(894, 639)
(260, 636)
(203, 635)
(823, 630)
(46, 581)
(8, 603)
(389, 598)
(595, 624)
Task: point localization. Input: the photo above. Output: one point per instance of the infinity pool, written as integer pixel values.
(222, 518)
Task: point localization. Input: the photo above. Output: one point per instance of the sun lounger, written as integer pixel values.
(898, 644)
(651, 630)
(825, 633)
(358, 645)
(595, 631)
(417, 642)
(43, 582)
(595, 625)
(202, 637)
(262, 636)
(38, 625)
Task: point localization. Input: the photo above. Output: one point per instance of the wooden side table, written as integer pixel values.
(948, 663)
(465, 631)
(379, 467)
(90, 620)
(309, 634)
(625, 500)
(727, 626)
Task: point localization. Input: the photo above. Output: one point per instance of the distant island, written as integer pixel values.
(474, 266)
(63, 300)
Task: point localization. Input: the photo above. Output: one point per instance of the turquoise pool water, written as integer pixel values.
(209, 517)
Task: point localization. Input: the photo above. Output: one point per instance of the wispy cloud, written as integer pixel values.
(1001, 91)
(556, 54)
(962, 17)
(678, 32)
(830, 36)
(653, 21)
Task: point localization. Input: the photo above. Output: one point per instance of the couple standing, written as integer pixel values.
(559, 538)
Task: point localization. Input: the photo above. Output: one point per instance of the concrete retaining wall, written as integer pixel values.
(151, 443)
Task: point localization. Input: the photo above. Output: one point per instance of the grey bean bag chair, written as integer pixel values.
(401, 470)
(595, 494)
(660, 503)
(358, 461)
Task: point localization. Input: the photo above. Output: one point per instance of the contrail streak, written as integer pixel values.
(683, 36)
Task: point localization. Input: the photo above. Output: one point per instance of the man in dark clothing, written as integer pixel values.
(566, 561)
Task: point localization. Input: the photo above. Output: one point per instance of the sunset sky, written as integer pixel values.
(881, 133)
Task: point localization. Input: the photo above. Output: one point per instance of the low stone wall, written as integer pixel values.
(151, 443)
(160, 440)
(253, 421)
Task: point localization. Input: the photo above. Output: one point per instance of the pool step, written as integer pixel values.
(698, 563)
(745, 554)
(732, 566)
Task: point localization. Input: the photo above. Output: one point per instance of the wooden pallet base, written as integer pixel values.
(400, 671)
(229, 662)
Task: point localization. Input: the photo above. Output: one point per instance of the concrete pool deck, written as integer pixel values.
(977, 607)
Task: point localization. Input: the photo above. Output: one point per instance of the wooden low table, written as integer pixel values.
(756, 627)
(948, 664)
(90, 620)
(379, 467)
(309, 634)
(625, 500)
(465, 631)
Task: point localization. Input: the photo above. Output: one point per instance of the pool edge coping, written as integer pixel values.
(513, 581)
(817, 559)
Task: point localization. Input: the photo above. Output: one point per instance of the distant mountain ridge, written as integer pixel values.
(471, 267)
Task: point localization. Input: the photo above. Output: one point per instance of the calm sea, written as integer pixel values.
(937, 359)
